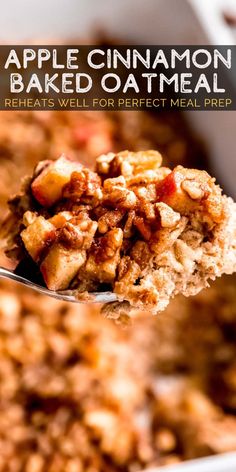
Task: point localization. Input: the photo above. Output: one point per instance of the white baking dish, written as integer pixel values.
(220, 463)
(142, 22)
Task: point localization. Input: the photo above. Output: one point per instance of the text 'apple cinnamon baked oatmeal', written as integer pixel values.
(134, 227)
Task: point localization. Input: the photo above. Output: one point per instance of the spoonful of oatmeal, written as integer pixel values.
(132, 231)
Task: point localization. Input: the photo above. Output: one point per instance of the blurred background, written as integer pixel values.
(77, 392)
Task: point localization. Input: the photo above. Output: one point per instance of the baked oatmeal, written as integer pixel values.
(134, 227)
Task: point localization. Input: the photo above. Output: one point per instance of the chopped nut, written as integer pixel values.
(186, 255)
(84, 186)
(103, 163)
(193, 189)
(149, 211)
(109, 220)
(78, 232)
(127, 230)
(169, 217)
(116, 195)
(105, 247)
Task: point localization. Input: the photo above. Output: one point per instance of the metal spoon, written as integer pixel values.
(66, 295)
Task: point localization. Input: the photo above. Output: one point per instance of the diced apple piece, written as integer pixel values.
(60, 266)
(47, 187)
(102, 266)
(184, 190)
(103, 271)
(36, 235)
(167, 187)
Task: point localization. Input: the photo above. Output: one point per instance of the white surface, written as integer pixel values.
(168, 21)
(137, 20)
(210, 14)
(220, 463)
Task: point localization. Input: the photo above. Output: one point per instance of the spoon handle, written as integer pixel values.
(67, 295)
(8, 274)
